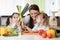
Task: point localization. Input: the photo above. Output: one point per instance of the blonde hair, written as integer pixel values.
(45, 17)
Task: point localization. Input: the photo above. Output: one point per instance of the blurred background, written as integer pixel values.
(7, 7)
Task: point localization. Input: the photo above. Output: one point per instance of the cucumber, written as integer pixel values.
(5, 34)
(10, 34)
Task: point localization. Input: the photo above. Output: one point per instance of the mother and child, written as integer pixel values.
(35, 20)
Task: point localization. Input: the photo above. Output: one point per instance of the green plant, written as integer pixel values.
(21, 13)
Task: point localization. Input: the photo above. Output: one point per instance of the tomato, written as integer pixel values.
(51, 31)
(40, 32)
(44, 35)
(49, 35)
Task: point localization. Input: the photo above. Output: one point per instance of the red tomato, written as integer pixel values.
(40, 32)
(44, 35)
(49, 35)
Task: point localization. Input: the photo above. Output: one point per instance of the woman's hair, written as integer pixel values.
(8, 19)
(31, 24)
(46, 19)
(34, 7)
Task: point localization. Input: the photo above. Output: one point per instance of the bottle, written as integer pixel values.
(53, 20)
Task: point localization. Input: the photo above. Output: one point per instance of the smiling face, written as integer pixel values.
(33, 14)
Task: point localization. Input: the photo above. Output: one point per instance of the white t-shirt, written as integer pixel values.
(43, 27)
(37, 27)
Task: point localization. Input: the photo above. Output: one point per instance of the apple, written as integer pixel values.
(40, 32)
(44, 35)
(49, 35)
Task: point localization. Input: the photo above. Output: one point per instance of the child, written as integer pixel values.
(13, 22)
(42, 22)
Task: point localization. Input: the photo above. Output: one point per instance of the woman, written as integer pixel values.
(33, 12)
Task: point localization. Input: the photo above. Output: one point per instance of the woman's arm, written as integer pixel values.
(29, 29)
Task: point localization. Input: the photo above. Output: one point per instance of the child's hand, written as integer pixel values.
(17, 23)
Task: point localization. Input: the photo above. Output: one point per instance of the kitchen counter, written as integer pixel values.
(27, 37)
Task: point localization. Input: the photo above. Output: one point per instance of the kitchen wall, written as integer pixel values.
(52, 5)
(47, 6)
(7, 7)
(40, 3)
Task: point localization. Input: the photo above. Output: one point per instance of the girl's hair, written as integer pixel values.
(14, 13)
(34, 7)
(8, 19)
(45, 17)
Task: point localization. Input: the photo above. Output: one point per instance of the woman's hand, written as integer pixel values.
(23, 25)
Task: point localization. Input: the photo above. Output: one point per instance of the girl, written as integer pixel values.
(42, 22)
(13, 22)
